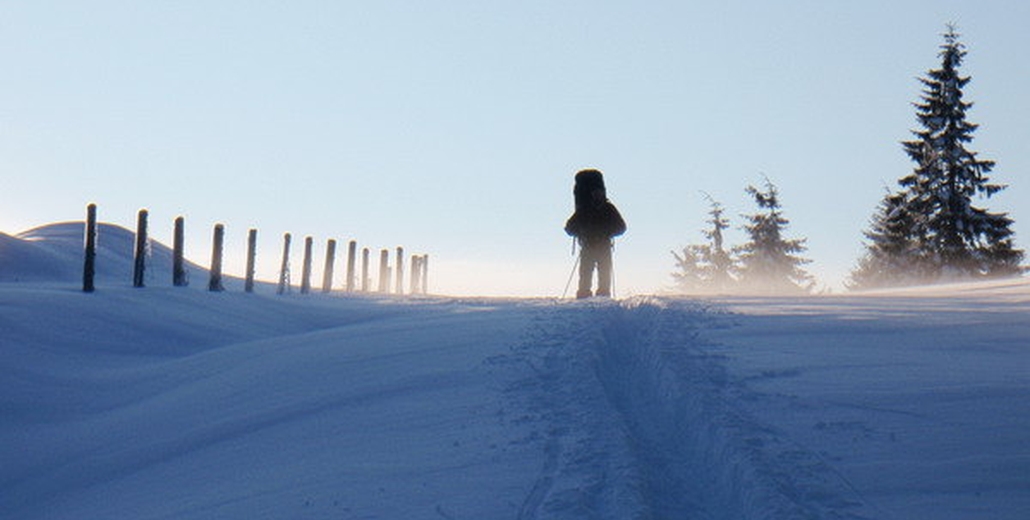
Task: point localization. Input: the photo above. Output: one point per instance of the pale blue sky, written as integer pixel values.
(454, 128)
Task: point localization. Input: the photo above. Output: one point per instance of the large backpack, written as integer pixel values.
(587, 181)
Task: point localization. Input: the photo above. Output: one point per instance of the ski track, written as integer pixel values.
(634, 416)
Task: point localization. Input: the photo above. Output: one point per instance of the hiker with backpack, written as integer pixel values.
(594, 224)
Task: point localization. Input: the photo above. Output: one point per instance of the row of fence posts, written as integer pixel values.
(419, 275)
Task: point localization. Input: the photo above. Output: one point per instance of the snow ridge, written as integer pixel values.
(54, 253)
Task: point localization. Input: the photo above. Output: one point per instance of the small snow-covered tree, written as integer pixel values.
(768, 262)
(718, 261)
(955, 238)
(689, 273)
(706, 268)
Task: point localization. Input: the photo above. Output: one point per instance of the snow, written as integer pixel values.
(54, 253)
(179, 403)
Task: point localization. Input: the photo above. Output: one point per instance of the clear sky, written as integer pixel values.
(454, 128)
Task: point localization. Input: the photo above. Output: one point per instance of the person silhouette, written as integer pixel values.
(594, 223)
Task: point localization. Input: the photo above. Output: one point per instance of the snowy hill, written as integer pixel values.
(54, 253)
(179, 403)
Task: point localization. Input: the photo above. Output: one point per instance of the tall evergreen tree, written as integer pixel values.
(707, 267)
(768, 261)
(954, 237)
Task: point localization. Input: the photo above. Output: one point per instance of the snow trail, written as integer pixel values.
(637, 421)
(588, 471)
(705, 457)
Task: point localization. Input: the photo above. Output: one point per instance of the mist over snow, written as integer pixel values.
(177, 403)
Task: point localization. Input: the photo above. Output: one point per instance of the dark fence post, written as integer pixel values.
(215, 284)
(284, 269)
(416, 273)
(89, 265)
(400, 271)
(330, 259)
(178, 244)
(384, 270)
(365, 280)
(140, 257)
(425, 274)
(305, 272)
(248, 285)
(352, 248)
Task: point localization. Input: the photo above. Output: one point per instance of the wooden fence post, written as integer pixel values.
(305, 271)
(425, 274)
(400, 271)
(215, 283)
(89, 264)
(140, 257)
(416, 274)
(365, 280)
(178, 245)
(330, 259)
(248, 285)
(284, 269)
(352, 248)
(384, 271)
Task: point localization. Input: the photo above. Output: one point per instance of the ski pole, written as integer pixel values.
(613, 269)
(571, 274)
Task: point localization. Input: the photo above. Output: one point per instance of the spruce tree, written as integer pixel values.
(706, 268)
(891, 256)
(769, 263)
(955, 238)
(689, 273)
(718, 262)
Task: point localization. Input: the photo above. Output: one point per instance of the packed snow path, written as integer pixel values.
(170, 403)
(640, 424)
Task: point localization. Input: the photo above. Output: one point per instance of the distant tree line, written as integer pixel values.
(928, 230)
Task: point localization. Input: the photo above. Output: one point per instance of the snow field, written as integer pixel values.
(917, 403)
(322, 407)
(179, 403)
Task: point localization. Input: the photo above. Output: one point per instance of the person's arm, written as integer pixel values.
(572, 226)
(616, 225)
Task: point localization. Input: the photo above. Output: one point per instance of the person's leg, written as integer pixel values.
(586, 271)
(603, 256)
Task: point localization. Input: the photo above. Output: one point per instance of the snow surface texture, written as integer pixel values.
(178, 403)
